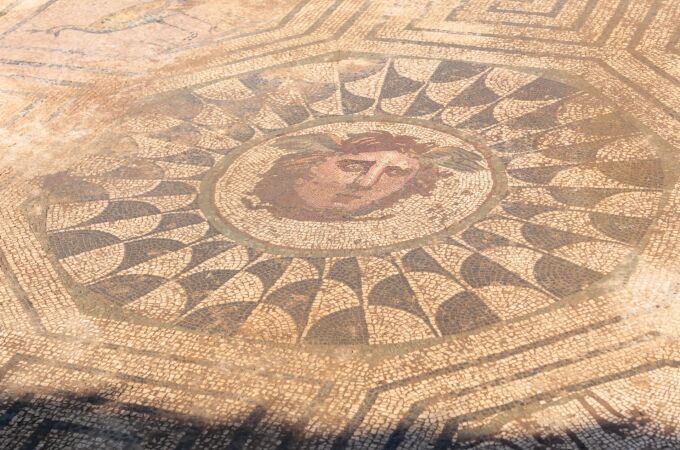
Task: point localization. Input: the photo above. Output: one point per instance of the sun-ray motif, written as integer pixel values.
(583, 185)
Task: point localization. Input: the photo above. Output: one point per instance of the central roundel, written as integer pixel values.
(350, 187)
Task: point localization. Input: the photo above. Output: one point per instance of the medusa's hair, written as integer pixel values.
(276, 189)
(374, 141)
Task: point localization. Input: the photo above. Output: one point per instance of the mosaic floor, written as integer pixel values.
(330, 224)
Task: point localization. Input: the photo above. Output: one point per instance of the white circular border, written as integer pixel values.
(454, 198)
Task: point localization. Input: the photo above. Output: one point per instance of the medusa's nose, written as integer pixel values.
(368, 179)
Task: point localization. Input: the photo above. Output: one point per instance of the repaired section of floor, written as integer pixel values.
(340, 224)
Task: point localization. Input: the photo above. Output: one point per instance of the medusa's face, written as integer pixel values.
(349, 182)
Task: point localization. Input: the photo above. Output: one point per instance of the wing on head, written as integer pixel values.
(455, 158)
(315, 142)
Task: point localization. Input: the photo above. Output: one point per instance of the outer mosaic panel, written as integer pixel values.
(339, 224)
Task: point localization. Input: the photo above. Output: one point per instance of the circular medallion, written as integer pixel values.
(351, 188)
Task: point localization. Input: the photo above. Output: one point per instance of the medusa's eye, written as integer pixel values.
(354, 166)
